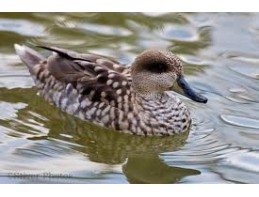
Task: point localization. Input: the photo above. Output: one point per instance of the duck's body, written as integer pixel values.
(107, 93)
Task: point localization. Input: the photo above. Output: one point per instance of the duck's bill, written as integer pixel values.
(182, 87)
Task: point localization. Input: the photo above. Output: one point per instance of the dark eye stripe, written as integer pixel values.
(157, 68)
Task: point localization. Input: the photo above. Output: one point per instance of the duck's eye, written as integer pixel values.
(157, 67)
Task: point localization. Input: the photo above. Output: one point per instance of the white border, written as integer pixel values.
(128, 5)
(201, 190)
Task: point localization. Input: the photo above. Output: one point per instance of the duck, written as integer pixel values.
(133, 98)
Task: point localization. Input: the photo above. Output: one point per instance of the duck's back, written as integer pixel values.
(90, 87)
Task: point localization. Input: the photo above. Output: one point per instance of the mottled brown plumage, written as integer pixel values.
(131, 99)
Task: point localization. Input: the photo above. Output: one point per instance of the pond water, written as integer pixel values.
(220, 51)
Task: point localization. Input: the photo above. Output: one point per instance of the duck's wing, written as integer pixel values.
(94, 77)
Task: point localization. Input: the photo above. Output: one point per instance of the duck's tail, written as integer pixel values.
(29, 56)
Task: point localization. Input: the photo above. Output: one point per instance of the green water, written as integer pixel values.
(41, 144)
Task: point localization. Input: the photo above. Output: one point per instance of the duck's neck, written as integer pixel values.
(154, 101)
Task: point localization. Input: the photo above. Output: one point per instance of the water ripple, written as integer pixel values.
(241, 121)
(22, 27)
(246, 161)
(249, 70)
(10, 110)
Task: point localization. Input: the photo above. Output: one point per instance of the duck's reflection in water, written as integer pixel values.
(139, 155)
(151, 169)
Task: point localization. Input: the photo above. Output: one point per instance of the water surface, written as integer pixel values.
(41, 144)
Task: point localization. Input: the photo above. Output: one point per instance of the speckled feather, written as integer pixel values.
(99, 90)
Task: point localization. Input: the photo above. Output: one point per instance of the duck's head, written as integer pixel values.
(156, 71)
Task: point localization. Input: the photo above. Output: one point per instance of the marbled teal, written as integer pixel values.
(130, 98)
